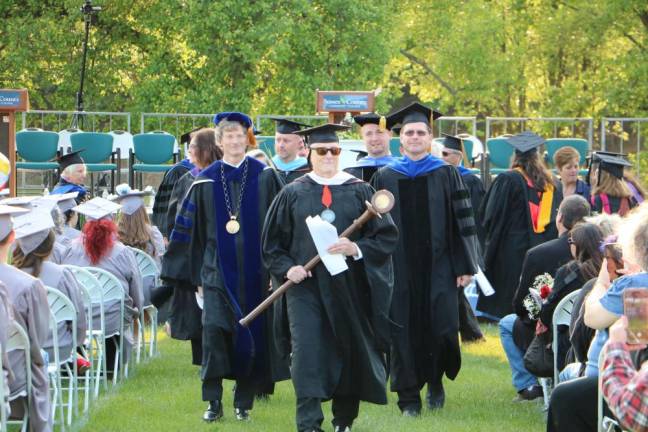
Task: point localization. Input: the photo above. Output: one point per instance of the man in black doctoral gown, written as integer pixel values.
(437, 252)
(217, 240)
(375, 132)
(163, 195)
(288, 163)
(338, 325)
(454, 154)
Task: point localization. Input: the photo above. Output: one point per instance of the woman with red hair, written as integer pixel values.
(99, 247)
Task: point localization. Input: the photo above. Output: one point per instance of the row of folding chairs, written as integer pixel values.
(98, 288)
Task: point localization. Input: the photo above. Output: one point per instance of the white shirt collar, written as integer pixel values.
(337, 179)
(237, 165)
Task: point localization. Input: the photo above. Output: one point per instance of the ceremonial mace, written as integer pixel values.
(381, 202)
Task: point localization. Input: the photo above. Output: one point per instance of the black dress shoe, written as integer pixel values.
(242, 414)
(214, 411)
(340, 428)
(435, 397)
(529, 394)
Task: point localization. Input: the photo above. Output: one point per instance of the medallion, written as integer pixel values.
(328, 215)
(232, 226)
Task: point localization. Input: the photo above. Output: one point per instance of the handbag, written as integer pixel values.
(538, 358)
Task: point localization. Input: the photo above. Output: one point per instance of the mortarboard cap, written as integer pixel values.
(130, 199)
(286, 126)
(452, 142)
(97, 208)
(361, 154)
(610, 162)
(6, 225)
(72, 158)
(414, 113)
(238, 117)
(397, 128)
(322, 134)
(525, 141)
(23, 201)
(186, 137)
(33, 228)
(373, 118)
(65, 201)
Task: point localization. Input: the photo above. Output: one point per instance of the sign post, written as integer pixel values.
(11, 101)
(337, 103)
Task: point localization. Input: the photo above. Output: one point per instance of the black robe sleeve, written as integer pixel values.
(466, 256)
(277, 236)
(162, 196)
(178, 194)
(493, 215)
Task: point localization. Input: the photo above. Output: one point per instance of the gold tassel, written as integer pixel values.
(382, 124)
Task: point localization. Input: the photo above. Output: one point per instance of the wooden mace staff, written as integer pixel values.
(381, 202)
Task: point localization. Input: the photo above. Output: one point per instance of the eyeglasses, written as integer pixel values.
(321, 151)
(411, 133)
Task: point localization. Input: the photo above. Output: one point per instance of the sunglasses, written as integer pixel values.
(321, 151)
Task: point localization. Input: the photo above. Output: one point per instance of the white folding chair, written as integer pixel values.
(605, 423)
(63, 311)
(92, 294)
(147, 268)
(113, 291)
(18, 340)
(561, 316)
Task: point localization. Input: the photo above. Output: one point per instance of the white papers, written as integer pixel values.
(484, 284)
(200, 301)
(324, 235)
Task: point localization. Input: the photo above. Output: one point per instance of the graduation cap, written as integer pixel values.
(414, 113)
(373, 118)
(361, 154)
(525, 142)
(130, 199)
(72, 158)
(397, 128)
(234, 116)
(32, 229)
(322, 134)
(452, 142)
(97, 208)
(24, 201)
(65, 201)
(609, 162)
(6, 225)
(285, 126)
(186, 137)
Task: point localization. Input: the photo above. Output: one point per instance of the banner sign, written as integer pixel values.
(342, 101)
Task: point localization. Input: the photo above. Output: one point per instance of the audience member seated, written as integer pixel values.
(28, 298)
(6, 318)
(605, 303)
(33, 249)
(99, 247)
(625, 388)
(566, 160)
(517, 330)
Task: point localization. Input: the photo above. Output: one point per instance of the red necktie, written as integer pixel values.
(327, 199)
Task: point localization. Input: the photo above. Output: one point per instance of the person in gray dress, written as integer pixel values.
(6, 318)
(98, 247)
(34, 247)
(31, 310)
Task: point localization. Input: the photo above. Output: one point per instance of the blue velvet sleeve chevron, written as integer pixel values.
(184, 222)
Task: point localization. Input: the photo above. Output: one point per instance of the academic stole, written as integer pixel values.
(540, 214)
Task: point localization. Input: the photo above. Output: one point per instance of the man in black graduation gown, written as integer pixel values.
(217, 241)
(163, 194)
(375, 132)
(288, 163)
(338, 325)
(454, 154)
(438, 251)
(73, 174)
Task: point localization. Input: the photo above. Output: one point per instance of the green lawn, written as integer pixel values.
(164, 395)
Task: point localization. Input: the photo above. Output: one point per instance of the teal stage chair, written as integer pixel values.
(97, 149)
(35, 149)
(552, 145)
(500, 153)
(153, 150)
(266, 144)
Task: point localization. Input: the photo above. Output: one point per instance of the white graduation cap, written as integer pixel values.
(97, 208)
(44, 203)
(65, 201)
(130, 199)
(4, 192)
(33, 228)
(6, 225)
(24, 201)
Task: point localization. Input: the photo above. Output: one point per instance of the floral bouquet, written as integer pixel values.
(538, 293)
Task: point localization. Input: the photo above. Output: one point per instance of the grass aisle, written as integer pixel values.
(164, 395)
